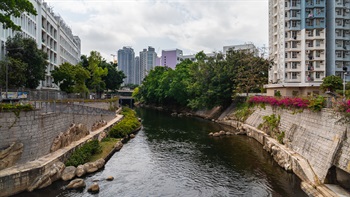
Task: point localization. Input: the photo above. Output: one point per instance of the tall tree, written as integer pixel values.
(251, 71)
(14, 8)
(97, 72)
(15, 69)
(71, 78)
(114, 78)
(25, 50)
(331, 83)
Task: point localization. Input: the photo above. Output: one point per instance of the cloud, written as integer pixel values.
(190, 25)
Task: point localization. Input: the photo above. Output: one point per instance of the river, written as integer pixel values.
(174, 156)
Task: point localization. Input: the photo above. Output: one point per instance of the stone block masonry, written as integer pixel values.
(317, 136)
(18, 178)
(36, 130)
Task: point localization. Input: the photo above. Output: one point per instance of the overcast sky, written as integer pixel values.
(190, 25)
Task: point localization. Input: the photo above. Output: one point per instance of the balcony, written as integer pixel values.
(295, 6)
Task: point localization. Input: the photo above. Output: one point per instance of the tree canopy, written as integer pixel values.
(92, 73)
(331, 83)
(208, 82)
(14, 8)
(26, 63)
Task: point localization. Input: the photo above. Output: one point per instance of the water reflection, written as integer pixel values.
(174, 156)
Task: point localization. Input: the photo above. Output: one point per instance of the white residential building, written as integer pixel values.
(242, 47)
(148, 60)
(303, 50)
(51, 34)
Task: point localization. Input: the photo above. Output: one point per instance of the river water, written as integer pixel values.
(174, 156)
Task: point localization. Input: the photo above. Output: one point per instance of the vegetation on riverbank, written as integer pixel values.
(84, 153)
(206, 83)
(107, 145)
(94, 150)
(126, 126)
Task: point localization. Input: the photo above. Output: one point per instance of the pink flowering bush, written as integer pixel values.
(299, 103)
(344, 107)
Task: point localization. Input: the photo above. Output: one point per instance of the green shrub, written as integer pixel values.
(316, 103)
(4, 107)
(127, 125)
(84, 153)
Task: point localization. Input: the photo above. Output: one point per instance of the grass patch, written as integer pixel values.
(107, 145)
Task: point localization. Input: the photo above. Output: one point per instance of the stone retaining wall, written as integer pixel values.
(317, 136)
(18, 178)
(36, 131)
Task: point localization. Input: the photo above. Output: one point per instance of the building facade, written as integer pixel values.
(51, 34)
(137, 70)
(171, 58)
(308, 40)
(126, 63)
(251, 48)
(148, 60)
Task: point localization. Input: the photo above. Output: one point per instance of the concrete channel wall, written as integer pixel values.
(37, 130)
(18, 178)
(316, 144)
(318, 136)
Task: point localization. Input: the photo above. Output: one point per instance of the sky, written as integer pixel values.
(190, 25)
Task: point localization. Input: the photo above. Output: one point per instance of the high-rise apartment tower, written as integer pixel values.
(308, 40)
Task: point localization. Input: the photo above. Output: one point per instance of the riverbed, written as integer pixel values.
(174, 156)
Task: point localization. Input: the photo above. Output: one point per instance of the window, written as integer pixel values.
(294, 23)
(294, 13)
(318, 53)
(295, 2)
(294, 65)
(286, 55)
(318, 75)
(294, 44)
(318, 64)
(309, 22)
(294, 54)
(318, 32)
(319, 21)
(318, 43)
(310, 33)
(310, 43)
(338, 54)
(294, 75)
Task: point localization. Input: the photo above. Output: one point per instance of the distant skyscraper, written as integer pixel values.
(147, 61)
(137, 70)
(126, 63)
(171, 58)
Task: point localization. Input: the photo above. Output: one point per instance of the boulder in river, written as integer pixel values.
(68, 173)
(110, 178)
(94, 188)
(76, 183)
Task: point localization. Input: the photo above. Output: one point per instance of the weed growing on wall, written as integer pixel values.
(243, 111)
(270, 126)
